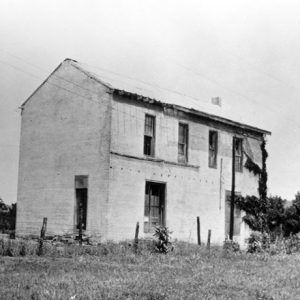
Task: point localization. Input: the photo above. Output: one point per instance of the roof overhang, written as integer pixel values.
(190, 111)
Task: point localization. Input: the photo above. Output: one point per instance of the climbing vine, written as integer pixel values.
(263, 178)
(252, 166)
(261, 212)
(261, 171)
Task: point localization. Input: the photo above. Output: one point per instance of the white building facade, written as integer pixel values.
(125, 158)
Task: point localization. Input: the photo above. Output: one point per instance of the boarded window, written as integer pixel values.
(183, 142)
(237, 219)
(238, 155)
(213, 149)
(154, 206)
(81, 192)
(149, 135)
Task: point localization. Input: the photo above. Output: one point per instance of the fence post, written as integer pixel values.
(44, 228)
(208, 239)
(42, 236)
(136, 237)
(198, 231)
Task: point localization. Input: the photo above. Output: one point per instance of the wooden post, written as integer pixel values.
(80, 224)
(42, 236)
(44, 228)
(208, 239)
(136, 237)
(198, 231)
(231, 224)
(220, 190)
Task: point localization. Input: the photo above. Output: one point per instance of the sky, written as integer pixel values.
(245, 52)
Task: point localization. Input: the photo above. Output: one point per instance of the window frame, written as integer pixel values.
(152, 136)
(213, 164)
(238, 166)
(183, 158)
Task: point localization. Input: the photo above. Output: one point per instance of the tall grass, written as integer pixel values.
(115, 271)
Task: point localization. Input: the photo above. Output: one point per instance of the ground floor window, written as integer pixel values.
(237, 219)
(154, 213)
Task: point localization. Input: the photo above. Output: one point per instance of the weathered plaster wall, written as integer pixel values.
(65, 132)
(191, 191)
(77, 129)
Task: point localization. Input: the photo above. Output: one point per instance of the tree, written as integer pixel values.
(7, 216)
(291, 224)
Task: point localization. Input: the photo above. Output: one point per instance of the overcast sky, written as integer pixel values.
(246, 52)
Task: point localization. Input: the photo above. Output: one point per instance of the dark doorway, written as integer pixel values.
(81, 191)
(154, 214)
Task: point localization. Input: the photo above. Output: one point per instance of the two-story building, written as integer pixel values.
(126, 158)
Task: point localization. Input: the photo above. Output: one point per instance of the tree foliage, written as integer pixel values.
(264, 215)
(291, 224)
(7, 216)
(268, 214)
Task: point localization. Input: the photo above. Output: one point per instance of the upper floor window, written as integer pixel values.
(183, 132)
(149, 135)
(213, 149)
(238, 154)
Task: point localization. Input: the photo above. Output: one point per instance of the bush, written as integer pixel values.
(261, 242)
(163, 243)
(7, 217)
(258, 242)
(292, 244)
(231, 246)
(17, 247)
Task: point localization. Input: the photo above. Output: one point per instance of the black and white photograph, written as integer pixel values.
(149, 149)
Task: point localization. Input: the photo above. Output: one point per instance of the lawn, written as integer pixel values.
(188, 272)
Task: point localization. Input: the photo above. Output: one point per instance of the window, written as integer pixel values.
(238, 155)
(81, 192)
(183, 142)
(149, 135)
(154, 213)
(213, 149)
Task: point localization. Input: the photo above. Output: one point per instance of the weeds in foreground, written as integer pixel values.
(257, 243)
(188, 272)
(163, 243)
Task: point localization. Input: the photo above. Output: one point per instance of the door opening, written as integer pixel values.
(81, 193)
(154, 213)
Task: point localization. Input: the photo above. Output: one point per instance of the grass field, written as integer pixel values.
(187, 273)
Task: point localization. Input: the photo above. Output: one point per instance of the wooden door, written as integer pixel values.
(154, 206)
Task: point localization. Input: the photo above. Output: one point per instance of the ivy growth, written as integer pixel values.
(259, 210)
(263, 178)
(252, 166)
(261, 171)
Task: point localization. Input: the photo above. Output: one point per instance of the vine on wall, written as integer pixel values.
(261, 171)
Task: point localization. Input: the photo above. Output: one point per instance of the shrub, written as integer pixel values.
(163, 236)
(258, 242)
(7, 217)
(292, 244)
(231, 246)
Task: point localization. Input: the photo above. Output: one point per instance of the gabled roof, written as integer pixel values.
(142, 93)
